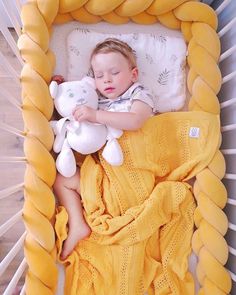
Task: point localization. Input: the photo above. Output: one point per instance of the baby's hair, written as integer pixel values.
(115, 45)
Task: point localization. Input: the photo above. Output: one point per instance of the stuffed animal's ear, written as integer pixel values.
(89, 81)
(53, 87)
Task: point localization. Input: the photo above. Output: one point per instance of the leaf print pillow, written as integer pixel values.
(161, 61)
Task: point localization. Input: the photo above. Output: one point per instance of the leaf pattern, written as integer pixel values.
(173, 58)
(162, 39)
(156, 97)
(149, 58)
(135, 36)
(75, 50)
(159, 38)
(84, 31)
(163, 77)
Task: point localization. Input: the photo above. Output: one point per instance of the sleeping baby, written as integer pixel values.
(124, 104)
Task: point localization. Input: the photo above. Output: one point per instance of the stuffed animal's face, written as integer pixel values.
(68, 95)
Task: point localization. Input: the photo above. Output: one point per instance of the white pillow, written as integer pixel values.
(161, 62)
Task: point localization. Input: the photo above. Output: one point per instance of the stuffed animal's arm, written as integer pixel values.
(59, 128)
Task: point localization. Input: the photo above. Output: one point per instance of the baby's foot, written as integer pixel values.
(74, 236)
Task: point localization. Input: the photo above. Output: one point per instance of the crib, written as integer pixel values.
(13, 166)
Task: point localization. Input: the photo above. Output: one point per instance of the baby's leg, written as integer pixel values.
(67, 191)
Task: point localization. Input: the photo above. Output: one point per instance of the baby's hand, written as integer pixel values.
(58, 78)
(84, 113)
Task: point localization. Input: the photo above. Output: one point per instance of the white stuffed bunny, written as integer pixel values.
(83, 137)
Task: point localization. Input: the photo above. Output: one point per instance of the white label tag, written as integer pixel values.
(194, 132)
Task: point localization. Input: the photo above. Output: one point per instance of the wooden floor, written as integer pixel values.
(10, 173)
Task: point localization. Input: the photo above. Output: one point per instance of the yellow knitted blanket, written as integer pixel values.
(141, 213)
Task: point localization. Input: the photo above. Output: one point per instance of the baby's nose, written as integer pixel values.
(107, 78)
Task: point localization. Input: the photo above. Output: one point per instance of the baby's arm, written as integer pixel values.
(133, 120)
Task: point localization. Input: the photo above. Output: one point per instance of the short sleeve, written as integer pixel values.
(142, 94)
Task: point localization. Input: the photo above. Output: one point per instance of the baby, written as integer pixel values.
(124, 104)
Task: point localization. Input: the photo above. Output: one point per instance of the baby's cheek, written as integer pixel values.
(99, 87)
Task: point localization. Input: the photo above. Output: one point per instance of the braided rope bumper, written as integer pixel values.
(198, 23)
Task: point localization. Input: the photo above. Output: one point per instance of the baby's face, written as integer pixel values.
(113, 74)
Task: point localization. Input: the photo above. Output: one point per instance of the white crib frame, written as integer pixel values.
(12, 9)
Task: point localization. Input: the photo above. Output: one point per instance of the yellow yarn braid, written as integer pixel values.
(198, 23)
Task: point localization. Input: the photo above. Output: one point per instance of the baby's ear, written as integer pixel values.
(89, 81)
(134, 74)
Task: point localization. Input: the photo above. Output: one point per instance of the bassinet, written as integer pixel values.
(37, 108)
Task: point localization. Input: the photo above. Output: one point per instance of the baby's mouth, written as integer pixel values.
(109, 89)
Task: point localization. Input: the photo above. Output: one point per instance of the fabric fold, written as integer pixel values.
(141, 213)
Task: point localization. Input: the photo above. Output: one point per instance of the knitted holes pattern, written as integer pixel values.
(198, 23)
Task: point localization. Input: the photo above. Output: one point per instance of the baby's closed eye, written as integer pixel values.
(115, 73)
(98, 75)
